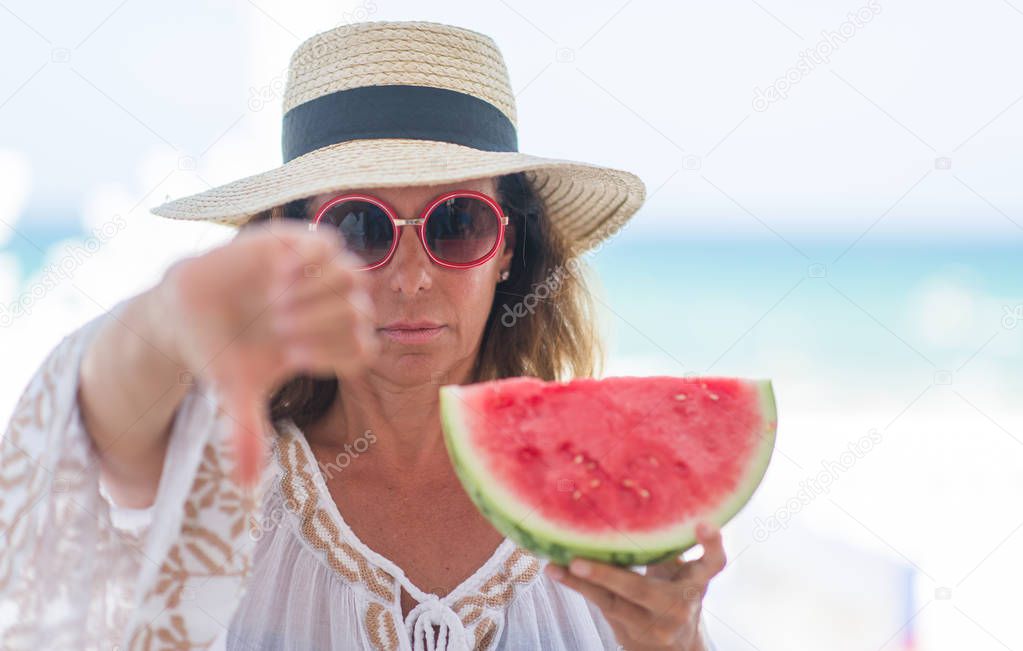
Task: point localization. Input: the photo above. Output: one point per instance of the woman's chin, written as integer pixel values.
(406, 368)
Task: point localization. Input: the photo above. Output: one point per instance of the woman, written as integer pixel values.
(249, 454)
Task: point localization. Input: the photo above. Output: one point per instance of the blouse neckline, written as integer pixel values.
(326, 503)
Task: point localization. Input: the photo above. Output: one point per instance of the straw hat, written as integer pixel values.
(391, 103)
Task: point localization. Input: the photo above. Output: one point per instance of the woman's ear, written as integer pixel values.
(510, 240)
(510, 237)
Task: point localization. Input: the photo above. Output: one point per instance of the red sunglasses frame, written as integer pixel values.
(420, 223)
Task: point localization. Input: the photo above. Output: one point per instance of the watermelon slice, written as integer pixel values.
(619, 469)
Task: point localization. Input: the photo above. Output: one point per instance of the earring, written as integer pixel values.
(504, 276)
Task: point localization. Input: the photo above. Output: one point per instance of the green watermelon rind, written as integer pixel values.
(530, 530)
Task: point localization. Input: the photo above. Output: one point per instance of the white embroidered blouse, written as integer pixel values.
(210, 567)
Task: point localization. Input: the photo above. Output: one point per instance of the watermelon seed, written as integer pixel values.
(576, 495)
(594, 483)
(578, 458)
(713, 396)
(680, 396)
(590, 465)
(631, 483)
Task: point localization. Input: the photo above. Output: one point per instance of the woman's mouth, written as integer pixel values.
(419, 332)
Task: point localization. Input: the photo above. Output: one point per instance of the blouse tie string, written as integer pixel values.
(430, 614)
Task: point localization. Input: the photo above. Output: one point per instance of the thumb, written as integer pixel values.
(247, 435)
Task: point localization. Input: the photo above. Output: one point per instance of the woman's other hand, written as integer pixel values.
(657, 611)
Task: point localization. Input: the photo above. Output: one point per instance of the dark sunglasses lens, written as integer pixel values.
(365, 226)
(462, 230)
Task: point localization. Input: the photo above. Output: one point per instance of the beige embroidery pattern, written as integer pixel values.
(209, 562)
(300, 496)
(51, 510)
(36, 496)
(380, 627)
(496, 593)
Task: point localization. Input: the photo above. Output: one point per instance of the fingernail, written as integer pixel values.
(579, 567)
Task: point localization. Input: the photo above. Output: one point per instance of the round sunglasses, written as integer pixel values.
(459, 229)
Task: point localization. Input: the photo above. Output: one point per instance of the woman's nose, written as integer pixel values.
(411, 268)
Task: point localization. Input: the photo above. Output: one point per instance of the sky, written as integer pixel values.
(906, 114)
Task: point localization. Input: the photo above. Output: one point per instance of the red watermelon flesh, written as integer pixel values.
(617, 469)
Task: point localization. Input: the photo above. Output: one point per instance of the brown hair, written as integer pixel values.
(542, 322)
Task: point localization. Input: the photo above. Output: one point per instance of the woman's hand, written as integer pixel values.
(658, 611)
(251, 314)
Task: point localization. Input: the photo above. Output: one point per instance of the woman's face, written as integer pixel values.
(412, 290)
